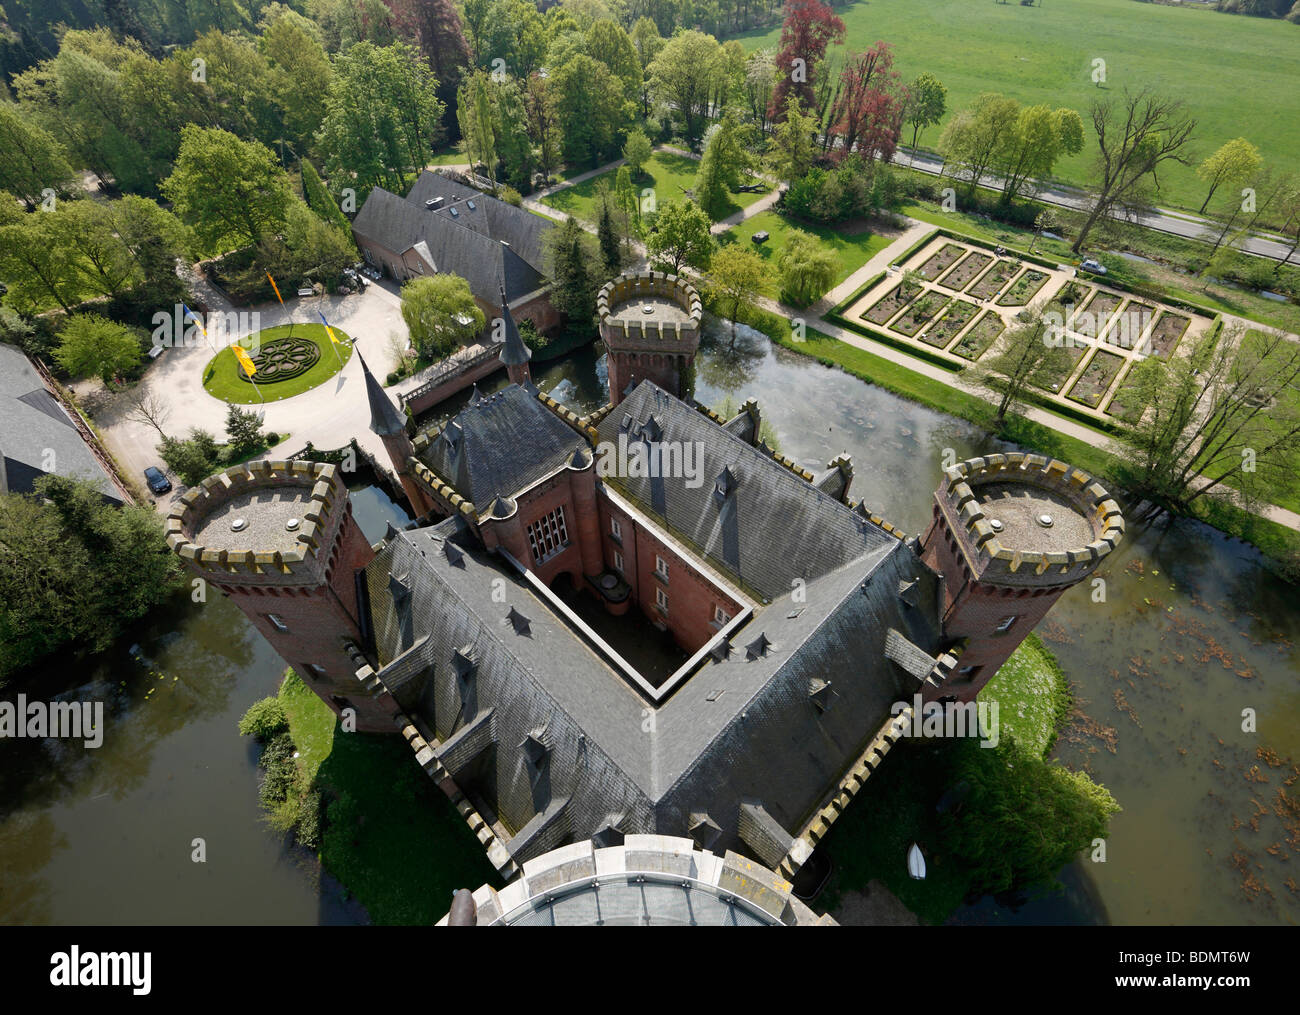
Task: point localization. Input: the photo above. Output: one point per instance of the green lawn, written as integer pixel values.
(668, 175)
(852, 251)
(221, 380)
(1238, 75)
(392, 837)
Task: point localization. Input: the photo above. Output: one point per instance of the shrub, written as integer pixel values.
(511, 196)
(281, 772)
(272, 438)
(264, 720)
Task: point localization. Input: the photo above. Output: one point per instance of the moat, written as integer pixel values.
(1194, 629)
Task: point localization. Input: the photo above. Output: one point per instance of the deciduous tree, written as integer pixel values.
(440, 313)
(681, 236)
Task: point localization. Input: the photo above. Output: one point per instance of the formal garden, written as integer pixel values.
(289, 359)
(952, 299)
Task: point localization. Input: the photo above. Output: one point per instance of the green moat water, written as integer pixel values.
(1194, 630)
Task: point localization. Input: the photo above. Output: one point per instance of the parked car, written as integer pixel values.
(158, 483)
(1093, 265)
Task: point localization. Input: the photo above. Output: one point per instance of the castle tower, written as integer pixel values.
(1011, 533)
(650, 323)
(279, 539)
(390, 425)
(514, 353)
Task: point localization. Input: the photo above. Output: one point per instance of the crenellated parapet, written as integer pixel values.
(619, 303)
(1028, 520)
(266, 522)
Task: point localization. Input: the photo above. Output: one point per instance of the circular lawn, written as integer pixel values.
(289, 361)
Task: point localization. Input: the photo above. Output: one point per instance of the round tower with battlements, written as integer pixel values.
(278, 538)
(650, 324)
(1011, 533)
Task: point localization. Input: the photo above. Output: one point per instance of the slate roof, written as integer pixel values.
(33, 422)
(450, 653)
(468, 243)
(500, 444)
(385, 420)
(777, 719)
(768, 506)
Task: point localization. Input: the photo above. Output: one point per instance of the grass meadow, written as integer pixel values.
(1239, 76)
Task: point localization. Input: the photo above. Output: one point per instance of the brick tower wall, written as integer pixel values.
(995, 595)
(653, 350)
(310, 590)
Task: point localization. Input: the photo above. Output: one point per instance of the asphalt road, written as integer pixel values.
(1177, 223)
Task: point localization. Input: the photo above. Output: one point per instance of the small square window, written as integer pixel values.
(615, 529)
(1004, 625)
(618, 562)
(661, 599)
(661, 568)
(277, 622)
(721, 617)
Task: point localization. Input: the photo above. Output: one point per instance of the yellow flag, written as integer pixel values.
(245, 360)
(275, 287)
(328, 330)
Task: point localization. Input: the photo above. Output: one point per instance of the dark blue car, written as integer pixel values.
(158, 483)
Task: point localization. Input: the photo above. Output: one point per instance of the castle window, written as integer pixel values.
(720, 616)
(277, 622)
(968, 673)
(314, 670)
(618, 562)
(661, 568)
(548, 535)
(1004, 625)
(661, 600)
(615, 530)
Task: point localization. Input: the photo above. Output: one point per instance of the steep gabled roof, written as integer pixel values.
(487, 245)
(765, 507)
(35, 428)
(499, 445)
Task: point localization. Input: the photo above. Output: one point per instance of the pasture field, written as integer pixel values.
(1239, 76)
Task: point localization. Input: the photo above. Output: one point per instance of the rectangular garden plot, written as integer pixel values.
(1056, 369)
(982, 335)
(1129, 326)
(1168, 330)
(927, 305)
(1096, 378)
(1024, 289)
(940, 261)
(1126, 405)
(1091, 321)
(891, 303)
(967, 269)
(994, 279)
(956, 317)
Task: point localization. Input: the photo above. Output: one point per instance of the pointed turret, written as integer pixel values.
(390, 424)
(385, 420)
(514, 353)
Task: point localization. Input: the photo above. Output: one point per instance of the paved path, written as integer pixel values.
(328, 415)
(1177, 223)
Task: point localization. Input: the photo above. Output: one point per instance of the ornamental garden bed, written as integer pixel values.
(1052, 374)
(957, 316)
(1167, 333)
(1096, 314)
(892, 302)
(1126, 332)
(966, 270)
(1126, 404)
(940, 261)
(982, 334)
(289, 361)
(994, 279)
(1096, 378)
(1024, 289)
(927, 305)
